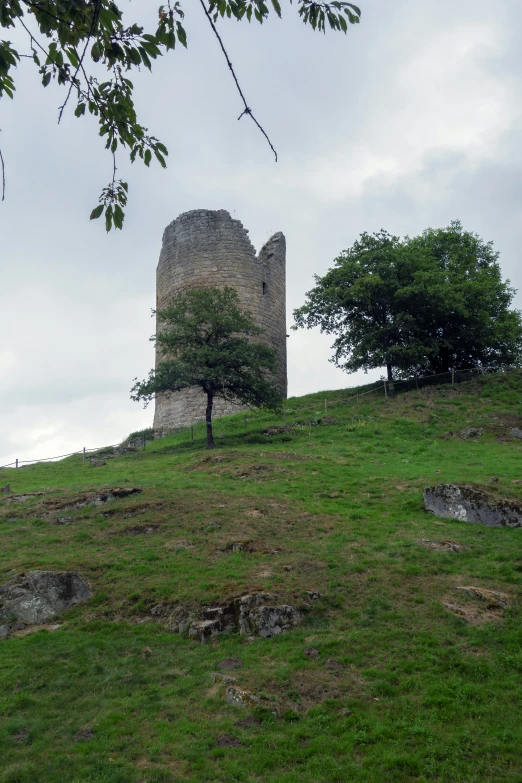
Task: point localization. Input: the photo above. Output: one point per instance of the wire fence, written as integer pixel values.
(382, 388)
(84, 452)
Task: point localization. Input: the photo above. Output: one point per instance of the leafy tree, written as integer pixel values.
(203, 336)
(418, 306)
(74, 41)
(469, 313)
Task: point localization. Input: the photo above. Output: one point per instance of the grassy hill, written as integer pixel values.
(402, 687)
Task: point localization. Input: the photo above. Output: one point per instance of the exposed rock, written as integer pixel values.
(446, 546)
(469, 504)
(97, 463)
(4, 631)
(239, 698)
(37, 596)
(100, 498)
(6, 489)
(64, 520)
(312, 652)
(470, 432)
(222, 679)
(492, 598)
(180, 620)
(230, 663)
(313, 595)
(256, 618)
(255, 614)
(26, 496)
(516, 432)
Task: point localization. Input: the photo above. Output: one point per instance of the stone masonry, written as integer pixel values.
(209, 248)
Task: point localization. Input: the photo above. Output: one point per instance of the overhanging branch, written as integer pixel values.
(247, 110)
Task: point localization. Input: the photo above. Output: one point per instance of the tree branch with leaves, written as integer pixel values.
(71, 42)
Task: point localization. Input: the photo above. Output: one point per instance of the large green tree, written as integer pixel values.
(90, 46)
(204, 338)
(416, 305)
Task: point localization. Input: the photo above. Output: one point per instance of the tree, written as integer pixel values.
(203, 336)
(469, 313)
(64, 35)
(418, 305)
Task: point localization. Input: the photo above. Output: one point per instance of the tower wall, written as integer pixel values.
(209, 248)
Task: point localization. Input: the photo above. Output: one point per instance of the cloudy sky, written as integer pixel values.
(411, 120)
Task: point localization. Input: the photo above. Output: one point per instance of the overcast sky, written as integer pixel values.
(410, 120)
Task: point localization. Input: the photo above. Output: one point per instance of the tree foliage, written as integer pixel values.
(89, 47)
(204, 339)
(418, 305)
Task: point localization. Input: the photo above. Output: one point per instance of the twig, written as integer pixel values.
(3, 175)
(247, 110)
(94, 22)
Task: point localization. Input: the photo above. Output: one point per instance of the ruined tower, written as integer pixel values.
(209, 248)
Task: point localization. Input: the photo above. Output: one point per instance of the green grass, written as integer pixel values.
(421, 696)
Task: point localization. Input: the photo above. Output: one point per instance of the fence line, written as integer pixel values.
(83, 451)
(381, 385)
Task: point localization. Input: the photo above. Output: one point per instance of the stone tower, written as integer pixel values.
(209, 248)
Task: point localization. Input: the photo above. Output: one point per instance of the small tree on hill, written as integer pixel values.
(204, 336)
(417, 305)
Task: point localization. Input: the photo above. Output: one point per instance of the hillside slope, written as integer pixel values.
(379, 682)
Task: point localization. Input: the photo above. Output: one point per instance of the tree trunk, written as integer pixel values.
(208, 419)
(391, 386)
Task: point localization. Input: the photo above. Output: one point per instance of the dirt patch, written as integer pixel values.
(22, 498)
(228, 742)
(249, 722)
(138, 530)
(255, 513)
(252, 471)
(180, 543)
(83, 735)
(98, 498)
(230, 663)
(443, 546)
(130, 511)
(483, 606)
(253, 546)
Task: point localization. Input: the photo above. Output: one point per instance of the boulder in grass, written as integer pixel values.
(37, 596)
(469, 504)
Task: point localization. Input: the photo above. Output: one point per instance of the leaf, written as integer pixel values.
(119, 216)
(46, 78)
(80, 109)
(108, 219)
(96, 213)
(147, 157)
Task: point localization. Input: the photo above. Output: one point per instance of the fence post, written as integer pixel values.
(17, 462)
(192, 432)
(385, 391)
(83, 456)
(325, 404)
(143, 436)
(453, 376)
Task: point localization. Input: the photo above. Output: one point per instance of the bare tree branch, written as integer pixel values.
(247, 110)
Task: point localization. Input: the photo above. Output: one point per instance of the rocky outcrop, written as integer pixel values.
(254, 614)
(37, 596)
(468, 504)
(470, 432)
